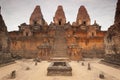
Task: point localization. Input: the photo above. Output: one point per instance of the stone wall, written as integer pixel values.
(30, 47)
(5, 56)
(90, 46)
(112, 39)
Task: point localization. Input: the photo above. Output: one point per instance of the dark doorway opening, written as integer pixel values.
(84, 22)
(35, 22)
(92, 34)
(60, 21)
(27, 34)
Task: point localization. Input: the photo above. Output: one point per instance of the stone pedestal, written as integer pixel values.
(59, 69)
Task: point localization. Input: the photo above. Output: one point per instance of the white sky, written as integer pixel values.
(16, 12)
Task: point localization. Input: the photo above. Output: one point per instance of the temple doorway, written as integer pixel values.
(84, 22)
(60, 21)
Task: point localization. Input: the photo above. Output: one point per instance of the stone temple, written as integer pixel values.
(59, 39)
(63, 45)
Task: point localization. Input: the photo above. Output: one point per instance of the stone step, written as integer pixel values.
(60, 43)
(60, 52)
(59, 59)
(63, 55)
(60, 47)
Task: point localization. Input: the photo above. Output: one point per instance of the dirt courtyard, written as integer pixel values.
(39, 71)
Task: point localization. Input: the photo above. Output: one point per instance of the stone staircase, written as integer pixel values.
(60, 46)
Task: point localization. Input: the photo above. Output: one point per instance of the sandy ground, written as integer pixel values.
(39, 72)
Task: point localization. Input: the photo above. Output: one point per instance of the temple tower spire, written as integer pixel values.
(83, 16)
(37, 17)
(59, 18)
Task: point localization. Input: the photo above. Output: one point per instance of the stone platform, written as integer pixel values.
(59, 69)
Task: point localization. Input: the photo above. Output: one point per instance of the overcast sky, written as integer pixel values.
(16, 12)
